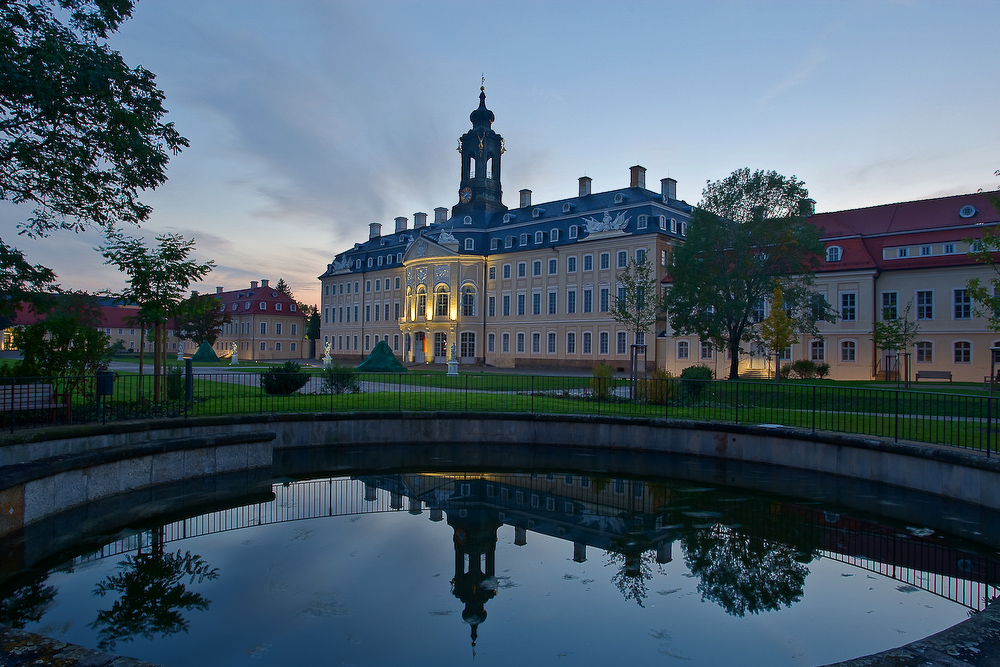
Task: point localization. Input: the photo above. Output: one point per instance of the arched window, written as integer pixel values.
(468, 302)
(469, 244)
(833, 253)
(963, 352)
(421, 301)
(472, 167)
(441, 301)
(489, 167)
(683, 349)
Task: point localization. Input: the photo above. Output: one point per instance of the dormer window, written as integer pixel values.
(357, 264)
(379, 261)
(235, 306)
(663, 223)
(277, 306)
(524, 239)
(246, 306)
(494, 244)
(292, 308)
(673, 225)
(833, 253)
(467, 220)
(684, 229)
(536, 212)
(619, 198)
(507, 217)
(567, 207)
(643, 222)
(370, 262)
(274, 295)
(554, 235)
(539, 237)
(399, 258)
(263, 305)
(508, 242)
(469, 244)
(574, 231)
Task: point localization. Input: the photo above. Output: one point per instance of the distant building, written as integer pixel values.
(530, 286)
(266, 324)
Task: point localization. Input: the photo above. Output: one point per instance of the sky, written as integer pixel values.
(310, 119)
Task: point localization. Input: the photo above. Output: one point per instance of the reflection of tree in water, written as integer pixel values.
(151, 595)
(634, 557)
(743, 573)
(27, 604)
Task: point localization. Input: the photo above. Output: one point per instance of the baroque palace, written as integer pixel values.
(532, 287)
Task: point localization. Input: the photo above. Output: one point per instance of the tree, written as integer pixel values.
(637, 305)
(21, 283)
(157, 279)
(200, 319)
(749, 231)
(895, 334)
(68, 343)
(986, 296)
(81, 133)
(283, 287)
(778, 328)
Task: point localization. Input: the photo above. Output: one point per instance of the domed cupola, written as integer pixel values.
(482, 118)
(479, 189)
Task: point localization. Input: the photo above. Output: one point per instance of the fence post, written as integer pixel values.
(532, 394)
(896, 427)
(814, 409)
(260, 386)
(737, 401)
(989, 424)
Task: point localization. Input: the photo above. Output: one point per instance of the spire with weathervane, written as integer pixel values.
(481, 149)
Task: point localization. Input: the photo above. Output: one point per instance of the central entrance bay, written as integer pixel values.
(498, 567)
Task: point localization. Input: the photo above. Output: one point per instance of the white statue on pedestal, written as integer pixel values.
(327, 359)
(235, 359)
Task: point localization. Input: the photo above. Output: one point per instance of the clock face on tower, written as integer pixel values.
(466, 195)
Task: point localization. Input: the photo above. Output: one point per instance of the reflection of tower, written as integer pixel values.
(475, 561)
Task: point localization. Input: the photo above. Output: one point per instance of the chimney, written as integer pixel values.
(440, 214)
(194, 293)
(668, 187)
(400, 224)
(218, 289)
(263, 282)
(525, 198)
(637, 177)
(253, 284)
(807, 207)
(585, 186)
(419, 220)
(374, 230)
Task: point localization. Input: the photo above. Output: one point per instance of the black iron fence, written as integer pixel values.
(960, 420)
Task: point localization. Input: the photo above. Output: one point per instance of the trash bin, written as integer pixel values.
(105, 383)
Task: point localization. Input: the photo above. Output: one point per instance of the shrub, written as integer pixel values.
(283, 380)
(659, 388)
(694, 379)
(174, 384)
(806, 369)
(785, 371)
(339, 379)
(600, 384)
(822, 370)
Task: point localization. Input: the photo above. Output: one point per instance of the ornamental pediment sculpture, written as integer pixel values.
(607, 226)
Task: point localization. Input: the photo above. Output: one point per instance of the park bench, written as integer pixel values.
(934, 375)
(31, 397)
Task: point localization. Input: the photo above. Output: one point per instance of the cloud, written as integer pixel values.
(816, 57)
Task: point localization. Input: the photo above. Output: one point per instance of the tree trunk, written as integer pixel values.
(156, 362)
(142, 352)
(734, 362)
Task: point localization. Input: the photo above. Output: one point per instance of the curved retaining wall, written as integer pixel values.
(99, 461)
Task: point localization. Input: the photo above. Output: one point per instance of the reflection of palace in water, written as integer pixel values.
(632, 522)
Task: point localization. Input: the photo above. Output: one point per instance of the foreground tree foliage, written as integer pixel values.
(986, 294)
(749, 231)
(81, 132)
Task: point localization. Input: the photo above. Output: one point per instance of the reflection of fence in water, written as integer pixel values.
(968, 579)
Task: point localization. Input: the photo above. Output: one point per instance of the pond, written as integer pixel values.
(490, 567)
